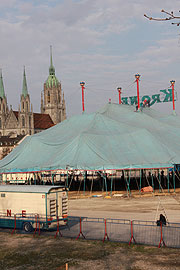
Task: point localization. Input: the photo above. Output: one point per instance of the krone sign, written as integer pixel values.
(164, 96)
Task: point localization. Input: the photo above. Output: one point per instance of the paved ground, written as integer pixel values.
(143, 207)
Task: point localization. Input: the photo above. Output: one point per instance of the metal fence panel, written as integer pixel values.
(146, 232)
(71, 229)
(93, 228)
(119, 230)
(171, 235)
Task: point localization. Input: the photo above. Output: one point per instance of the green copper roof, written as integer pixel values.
(24, 87)
(51, 80)
(51, 68)
(2, 94)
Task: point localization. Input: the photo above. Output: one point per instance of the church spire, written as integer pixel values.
(51, 68)
(2, 94)
(24, 87)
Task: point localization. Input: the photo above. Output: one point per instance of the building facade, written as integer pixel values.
(25, 121)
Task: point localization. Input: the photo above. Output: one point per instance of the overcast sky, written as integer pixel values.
(101, 42)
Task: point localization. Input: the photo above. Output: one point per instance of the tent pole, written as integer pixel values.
(84, 183)
(174, 181)
(140, 181)
(159, 181)
(128, 189)
(105, 180)
(67, 179)
(168, 179)
(129, 182)
(126, 184)
(52, 177)
(102, 182)
(34, 179)
(111, 184)
(152, 180)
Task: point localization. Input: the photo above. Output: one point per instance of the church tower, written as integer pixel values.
(3, 106)
(25, 114)
(53, 102)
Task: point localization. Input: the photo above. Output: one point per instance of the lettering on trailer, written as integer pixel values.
(164, 96)
(9, 213)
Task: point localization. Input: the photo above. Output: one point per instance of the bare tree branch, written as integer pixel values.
(168, 18)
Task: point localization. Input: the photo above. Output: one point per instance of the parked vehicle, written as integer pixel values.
(25, 206)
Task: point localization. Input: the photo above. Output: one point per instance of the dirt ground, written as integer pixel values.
(19, 252)
(23, 251)
(136, 207)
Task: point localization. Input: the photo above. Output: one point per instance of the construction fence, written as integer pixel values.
(117, 230)
(125, 231)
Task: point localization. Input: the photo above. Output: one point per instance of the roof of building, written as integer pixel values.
(16, 114)
(115, 137)
(7, 140)
(41, 120)
(28, 189)
(51, 80)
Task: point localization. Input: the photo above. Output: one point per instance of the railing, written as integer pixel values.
(122, 230)
(119, 230)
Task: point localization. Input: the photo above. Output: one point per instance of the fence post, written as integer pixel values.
(80, 232)
(105, 233)
(58, 230)
(14, 224)
(39, 226)
(161, 240)
(36, 225)
(132, 235)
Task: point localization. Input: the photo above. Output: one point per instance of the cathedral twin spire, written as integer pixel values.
(2, 93)
(24, 87)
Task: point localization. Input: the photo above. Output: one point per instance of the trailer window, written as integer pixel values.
(2, 195)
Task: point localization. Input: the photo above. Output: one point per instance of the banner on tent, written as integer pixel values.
(162, 97)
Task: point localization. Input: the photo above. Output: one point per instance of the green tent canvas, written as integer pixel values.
(115, 137)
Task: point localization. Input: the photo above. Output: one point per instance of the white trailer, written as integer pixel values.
(32, 204)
